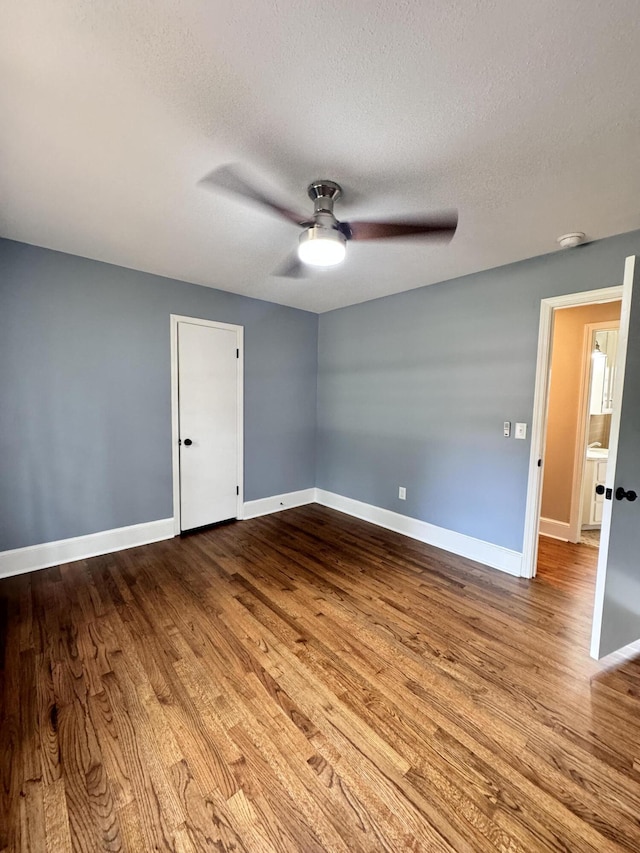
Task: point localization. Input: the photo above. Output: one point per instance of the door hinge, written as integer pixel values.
(539, 463)
(237, 490)
(237, 353)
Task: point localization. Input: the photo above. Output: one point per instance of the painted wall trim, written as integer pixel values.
(491, 555)
(276, 503)
(555, 529)
(21, 560)
(34, 557)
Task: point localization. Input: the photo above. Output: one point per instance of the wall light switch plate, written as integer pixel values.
(507, 429)
(521, 431)
(402, 493)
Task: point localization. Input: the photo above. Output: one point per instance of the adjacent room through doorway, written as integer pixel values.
(580, 406)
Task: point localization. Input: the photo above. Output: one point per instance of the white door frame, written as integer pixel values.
(175, 421)
(540, 405)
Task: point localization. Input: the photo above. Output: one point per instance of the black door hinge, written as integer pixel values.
(237, 490)
(237, 353)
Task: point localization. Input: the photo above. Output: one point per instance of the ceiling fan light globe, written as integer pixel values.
(322, 247)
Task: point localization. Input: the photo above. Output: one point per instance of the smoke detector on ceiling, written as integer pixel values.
(570, 241)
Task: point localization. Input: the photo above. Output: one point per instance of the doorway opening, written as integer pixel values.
(578, 422)
(561, 517)
(576, 444)
(616, 611)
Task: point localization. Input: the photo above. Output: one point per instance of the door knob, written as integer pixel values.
(621, 494)
(188, 442)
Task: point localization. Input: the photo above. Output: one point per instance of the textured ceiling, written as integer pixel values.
(523, 115)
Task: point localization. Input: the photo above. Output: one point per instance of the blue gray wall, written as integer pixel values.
(85, 393)
(413, 390)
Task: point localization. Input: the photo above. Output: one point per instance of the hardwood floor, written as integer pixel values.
(308, 682)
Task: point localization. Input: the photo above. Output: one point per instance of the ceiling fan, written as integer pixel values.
(323, 241)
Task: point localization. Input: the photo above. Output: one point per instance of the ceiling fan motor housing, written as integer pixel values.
(322, 243)
(323, 194)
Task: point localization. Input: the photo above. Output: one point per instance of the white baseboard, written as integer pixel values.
(276, 503)
(34, 557)
(48, 554)
(491, 555)
(555, 529)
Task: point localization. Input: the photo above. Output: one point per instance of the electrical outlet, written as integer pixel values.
(402, 493)
(521, 431)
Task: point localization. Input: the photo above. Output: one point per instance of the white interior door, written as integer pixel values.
(616, 617)
(208, 419)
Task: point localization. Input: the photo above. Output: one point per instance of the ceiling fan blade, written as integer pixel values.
(229, 179)
(438, 227)
(291, 267)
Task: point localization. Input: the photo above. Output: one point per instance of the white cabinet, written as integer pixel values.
(595, 473)
(603, 370)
